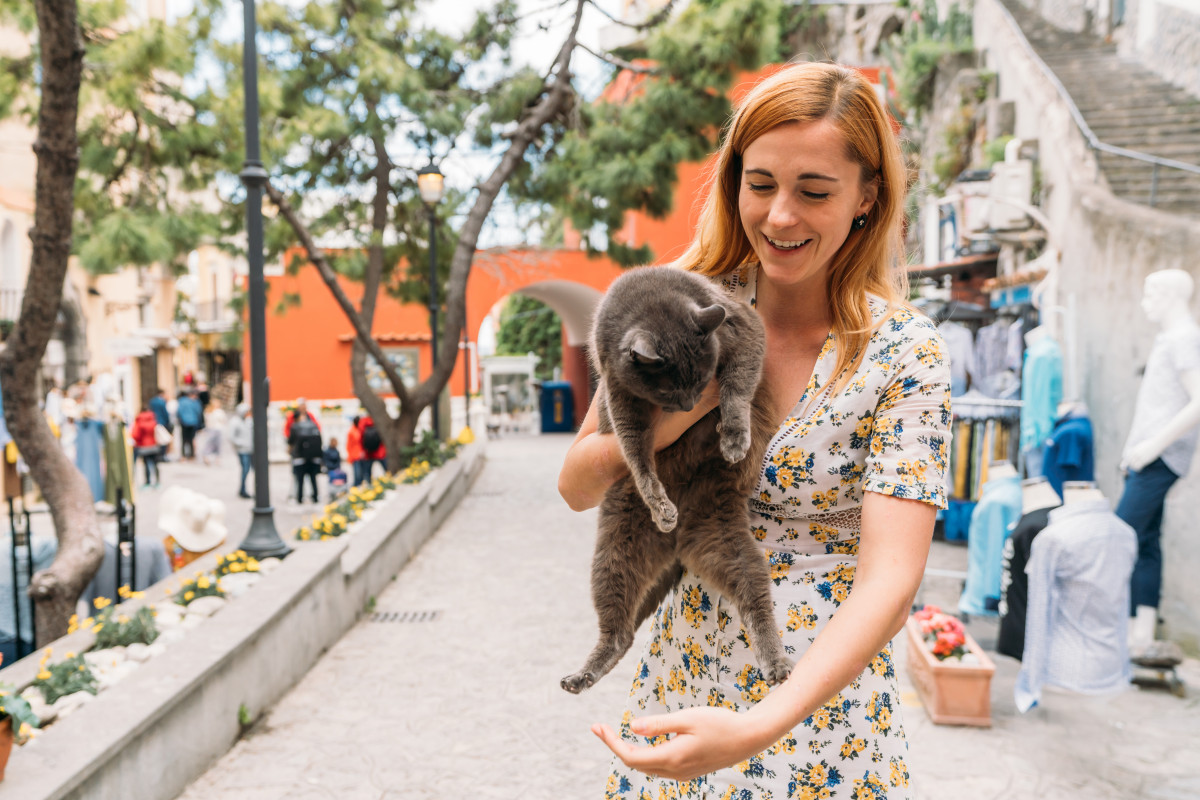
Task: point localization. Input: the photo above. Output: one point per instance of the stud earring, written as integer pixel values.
(859, 223)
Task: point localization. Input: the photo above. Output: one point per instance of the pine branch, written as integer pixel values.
(619, 62)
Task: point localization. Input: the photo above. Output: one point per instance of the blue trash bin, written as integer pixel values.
(558, 407)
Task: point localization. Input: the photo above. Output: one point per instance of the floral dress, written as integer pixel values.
(884, 431)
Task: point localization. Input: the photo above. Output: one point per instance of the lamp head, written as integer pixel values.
(430, 184)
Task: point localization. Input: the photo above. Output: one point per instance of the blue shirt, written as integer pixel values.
(159, 406)
(1069, 453)
(1077, 622)
(1041, 391)
(189, 412)
(991, 523)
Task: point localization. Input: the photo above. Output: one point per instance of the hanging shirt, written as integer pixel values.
(1014, 583)
(991, 356)
(1162, 395)
(1041, 391)
(1077, 622)
(961, 344)
(997, 513)
(1069, 453)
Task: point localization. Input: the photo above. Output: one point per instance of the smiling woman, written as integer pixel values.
(803, 221)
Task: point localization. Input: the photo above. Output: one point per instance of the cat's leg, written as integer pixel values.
(627, 567)
(655, 596)
(632, 422)
(738, 378)
(722, 551)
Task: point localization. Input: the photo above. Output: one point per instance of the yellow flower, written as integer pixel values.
(70, 656)
(236, 567)
(123, 591)
(123, 619)
(187, 596)
(44, 675)
(98, 628)
(203, 583)
(101, 602)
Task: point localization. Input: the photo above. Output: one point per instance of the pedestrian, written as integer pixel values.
(303, 436)
(354, 451)
(331, 460)
(54, 404)
(189, 413)
(145, 444)
(158, 404)
(215, 420)
(241, 436)
(803, 219)
(374, 450)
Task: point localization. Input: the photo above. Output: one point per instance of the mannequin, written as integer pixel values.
(1036, 494)
(999, 470)
(1081, 491)
(1163, 436)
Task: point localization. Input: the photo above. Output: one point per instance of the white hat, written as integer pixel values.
(194, 521)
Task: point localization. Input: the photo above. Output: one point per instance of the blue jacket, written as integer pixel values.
(189, 411)
(159, 406)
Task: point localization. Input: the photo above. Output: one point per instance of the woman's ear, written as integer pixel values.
(870, 192)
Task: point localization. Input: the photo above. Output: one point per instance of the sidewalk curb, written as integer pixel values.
(152, 734)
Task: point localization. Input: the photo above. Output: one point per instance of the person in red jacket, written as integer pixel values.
(373, 447)
(145, 446)
(354, 451)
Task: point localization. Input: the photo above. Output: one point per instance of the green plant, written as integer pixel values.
(16, 710)
(114, 629)
(244, 718)
(915, 51)
(200, 586)
(68, 676)
(370, 606)
(234, 563)
(993, 151)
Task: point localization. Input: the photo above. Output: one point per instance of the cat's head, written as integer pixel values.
(670, 361)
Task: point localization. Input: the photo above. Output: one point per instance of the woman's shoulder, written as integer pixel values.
(900, 321)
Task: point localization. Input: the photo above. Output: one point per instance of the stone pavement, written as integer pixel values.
(467, 704)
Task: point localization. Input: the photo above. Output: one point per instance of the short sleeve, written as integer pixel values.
(909, 441)
(1185, 353)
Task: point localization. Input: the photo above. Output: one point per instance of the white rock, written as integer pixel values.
(117, 673)
(970, 658)
(137, 652)
(45, 712)
(268, 565)
(159, 647)
(191, 621)
(205, 606)
(100, 660)
(236, 584)
(168, 614)
(168, 636)
(66, 705)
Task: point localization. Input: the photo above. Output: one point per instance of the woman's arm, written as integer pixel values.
(893, 547)
(595, 462)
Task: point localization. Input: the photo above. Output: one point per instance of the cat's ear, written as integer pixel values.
(709, 319)
(642, 351)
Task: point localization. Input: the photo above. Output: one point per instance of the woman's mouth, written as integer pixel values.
(785, 244)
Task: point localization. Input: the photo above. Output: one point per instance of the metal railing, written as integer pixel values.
(1093, 141)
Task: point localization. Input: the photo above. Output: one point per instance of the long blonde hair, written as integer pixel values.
(869, 260)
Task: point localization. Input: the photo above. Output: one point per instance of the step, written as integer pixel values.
(1154, 115)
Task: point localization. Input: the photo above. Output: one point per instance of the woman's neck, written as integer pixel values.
(800, 308)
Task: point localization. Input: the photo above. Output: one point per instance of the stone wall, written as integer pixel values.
(1165, 36)
(1108, 247)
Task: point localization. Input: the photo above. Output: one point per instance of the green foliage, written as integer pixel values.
(915, 51)
(429, 450)
(954, 155)
(531, 326)
(115, 628)
(202, 585)
(68, 676)
(993, 151)
(243, 717)
(622, 154)
(16, 711)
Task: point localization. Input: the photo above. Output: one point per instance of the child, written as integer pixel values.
(332, 461)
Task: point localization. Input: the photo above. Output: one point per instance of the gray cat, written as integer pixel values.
(659, 337)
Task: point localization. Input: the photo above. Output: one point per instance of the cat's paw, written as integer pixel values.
(578, 682)
(734, 444)
(665, 515)
(777, 672)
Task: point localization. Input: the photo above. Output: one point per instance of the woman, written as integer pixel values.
(241, 436)
(803, 220)
(145, 445)
(354, 451)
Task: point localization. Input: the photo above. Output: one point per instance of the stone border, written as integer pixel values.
(153, 733)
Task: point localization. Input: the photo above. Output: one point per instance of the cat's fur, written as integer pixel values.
(659, 337)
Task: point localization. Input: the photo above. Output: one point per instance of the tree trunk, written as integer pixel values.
(80, 550)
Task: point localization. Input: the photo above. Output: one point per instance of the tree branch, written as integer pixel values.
(317, 256)
(619, 62)
(659, 17)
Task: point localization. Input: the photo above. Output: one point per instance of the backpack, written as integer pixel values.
(306, 438)
(371, 440)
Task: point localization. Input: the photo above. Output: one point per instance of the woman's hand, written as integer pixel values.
(706, 739)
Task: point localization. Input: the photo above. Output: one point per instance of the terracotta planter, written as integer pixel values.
(6, 743)
(953, 693)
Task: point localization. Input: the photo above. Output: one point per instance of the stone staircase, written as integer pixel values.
(1126, 105)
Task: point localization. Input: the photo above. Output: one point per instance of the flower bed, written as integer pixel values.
(951, 672)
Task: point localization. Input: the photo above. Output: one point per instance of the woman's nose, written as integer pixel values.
(783, 213)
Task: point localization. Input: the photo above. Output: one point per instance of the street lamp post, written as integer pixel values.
(262, 540)
(431, 186)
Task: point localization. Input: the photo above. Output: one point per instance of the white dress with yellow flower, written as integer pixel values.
(884, 431)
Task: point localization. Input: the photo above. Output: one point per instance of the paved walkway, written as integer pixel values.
(468, 704)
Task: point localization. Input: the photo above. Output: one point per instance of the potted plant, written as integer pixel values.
(17, 722)
(951, 672)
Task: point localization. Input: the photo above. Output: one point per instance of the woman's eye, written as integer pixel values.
(816, 195)
(758, 187)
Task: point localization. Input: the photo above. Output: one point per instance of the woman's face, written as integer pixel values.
(798, 198)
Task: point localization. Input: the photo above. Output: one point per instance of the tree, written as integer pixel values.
(346, 84)
(80, 549)
(530, 326)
